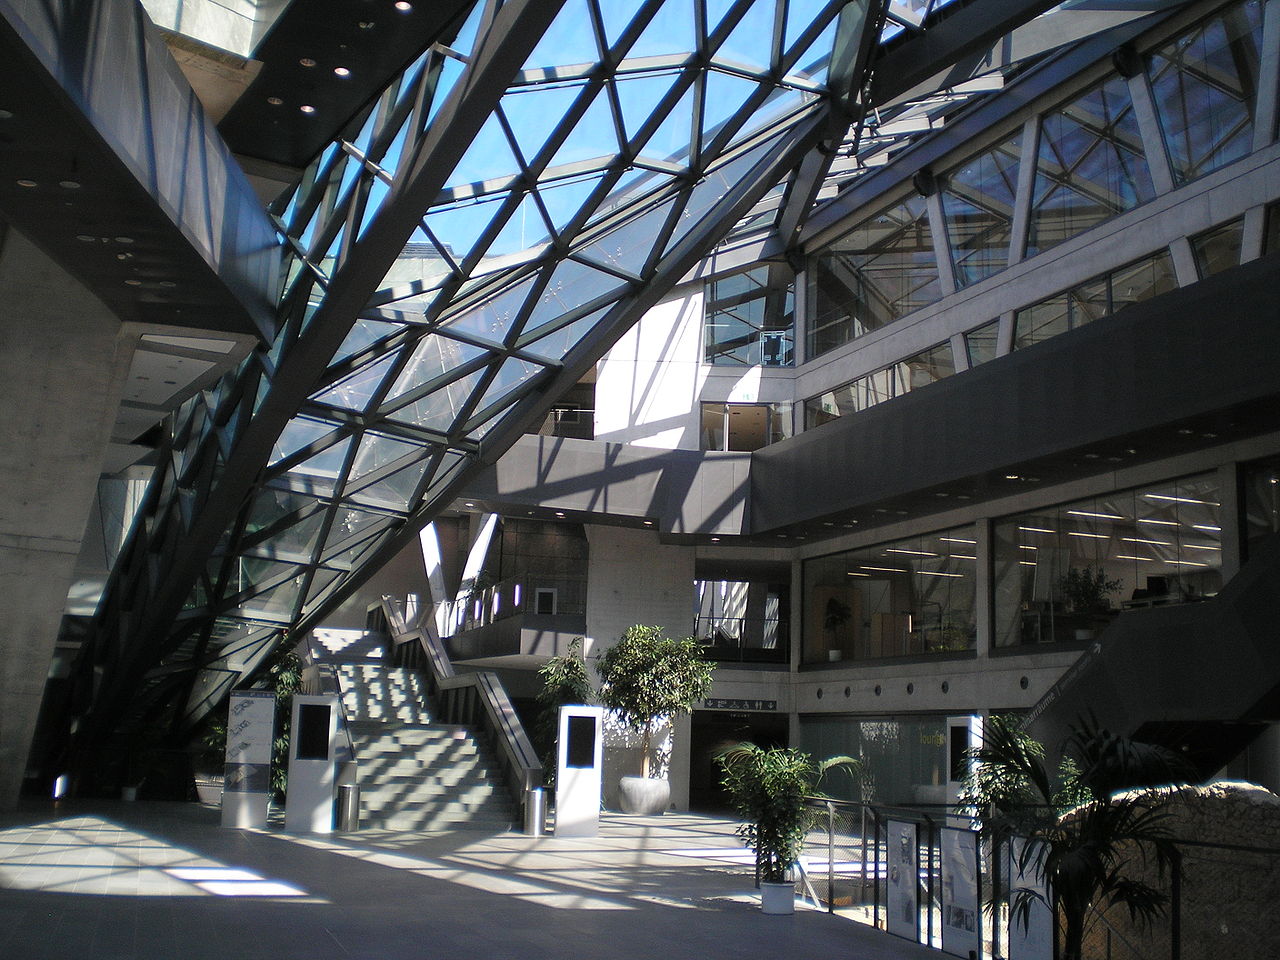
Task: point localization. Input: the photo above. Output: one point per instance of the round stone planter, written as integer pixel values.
(778, 899)
(644, 796)
(209, 790)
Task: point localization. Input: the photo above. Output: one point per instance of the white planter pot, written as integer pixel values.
(778, 899)
(209, 791)
(644, 795)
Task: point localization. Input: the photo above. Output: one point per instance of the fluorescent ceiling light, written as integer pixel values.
(1091, 536)
(937, 573)
(911, 553)
(1036, 530)
(1099, 516)
(1161, 523)
(957, 540)
(1154, 543)
(1168, 499)
(884, 569)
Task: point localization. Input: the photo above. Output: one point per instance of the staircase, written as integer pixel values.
(414, 775)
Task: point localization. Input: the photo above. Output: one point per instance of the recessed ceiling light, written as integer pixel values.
(648, 523)
(124, 256)
(69, 184)
(274, 101)
(1091, 456)
(134, 283)
(124, 239)
(28, 183)
(469, 504)
(366, 24)
(307, 108)
(307, 62)
(715, 539)
(342, 71)
(85, 238)
(167, 283)
(404, 6)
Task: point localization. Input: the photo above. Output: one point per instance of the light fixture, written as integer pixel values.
(884, 569)
(715, 539)
(957, 540)
(469, 504)
(28, 183)
(648, 523)
(307, 108)
(1091, 536)
(938, 573)
(85, 238)
(341, 72)
(1036, 530)
(911, 553)
(1159, 523)
(133, 283)
(1153, 543)
(307, 62)
(1209, 527)
(69, 184)
(6, 114)
(274, 101)
(1096, 516)
(124, 239)
(1168, 499)
(404, 6)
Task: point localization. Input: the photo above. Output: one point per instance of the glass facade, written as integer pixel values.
(982, 344)
(1205, 85)
(924, 368)
(1097, 297)
(751, 318)
(879, 271)
(744, 426)
(1218, 249)
(905, 598)
(1063, 573)
(1090, 166)
(905, 758)
(977, 200)
(743, 621)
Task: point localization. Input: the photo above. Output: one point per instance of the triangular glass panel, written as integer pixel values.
(563, 200)
(378, 192)
(492, 318)
(355, 391)
(571, 285)
(525, 229)
(364, 333)
(616, 15)
(570, 39)
(320, 585)
(670, 32)
(433, 357)
(627, 248)
(488, 157)
(394, 157)
(716, 9)
(465, 40)
(638, 96)
(413, 277)
(533, 112)
(557, 343)
(298, 433)
(321, 471)
(511, 375)
(712, 188)
(439, 409)
(450, 72)
(278, 603)
(395, 491)
(294, 541)
(726, 93)
(781, 103)
(271, 505)
(376, 451)
(352, 558)
(459, 225)
(444, 476)
(364, 138)
(593, 137)
(349, 522)
(750, 45)
(800, 16)
(815, 62)
(249, 572)
(672, 140)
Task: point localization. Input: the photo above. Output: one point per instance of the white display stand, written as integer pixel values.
(246, 791)
(578, 771)
(902, 909)
(313, 741)
(963, 734)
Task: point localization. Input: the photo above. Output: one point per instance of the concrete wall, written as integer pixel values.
(635, 579)
(62, 364)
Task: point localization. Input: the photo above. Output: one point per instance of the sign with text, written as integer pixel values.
(722, 704)
(961, 922)
(251, 727)
(902, 911)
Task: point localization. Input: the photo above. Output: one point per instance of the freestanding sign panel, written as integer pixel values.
(578, 776)
(902, 911)
(246, 792)
(1034, 939)
(313, 741)
(961, 922)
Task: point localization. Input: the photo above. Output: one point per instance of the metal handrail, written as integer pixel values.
(474, 698)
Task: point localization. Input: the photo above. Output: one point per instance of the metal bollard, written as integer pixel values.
(348, 812)
(535, 811)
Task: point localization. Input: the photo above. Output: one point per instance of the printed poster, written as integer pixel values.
(961, 921)
(901, 904)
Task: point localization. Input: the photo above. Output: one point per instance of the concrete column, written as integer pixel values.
(62, 364)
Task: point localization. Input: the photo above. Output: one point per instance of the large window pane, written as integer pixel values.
(982, 344)
(1063, 573)
(905, 598)
(978, 202)
(744, 426)
(1090, 166)
(1218, 249)
(905, 758)
(1205, 85)
(881, 270)
(926, 367)
(750, 318)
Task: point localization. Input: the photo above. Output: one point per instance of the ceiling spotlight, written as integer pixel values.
(341, 72)
(124, 239)
(85, 238)
(274, 101)
(307, 62)
(715, 539)
(469, 504)
(648, 523)
(365, 24)
(28, 183)
(404, 6)
(307, 108)
(69, 184)
(167, 283)
(133, 283)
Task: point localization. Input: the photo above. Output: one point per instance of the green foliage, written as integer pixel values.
(1086, 589)
(647, 675)
(767, 786)
(564, 681)
(1082, 835)
(285, 677)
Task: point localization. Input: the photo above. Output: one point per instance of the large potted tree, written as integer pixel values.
(646, 677)
(768, 786)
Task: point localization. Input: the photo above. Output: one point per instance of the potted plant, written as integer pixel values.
(1087, 592)
(768, 786)
(564, 681)
(835, 616)
(1088, 832)
(645, 677)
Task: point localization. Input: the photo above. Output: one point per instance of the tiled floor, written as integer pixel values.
(152, 881)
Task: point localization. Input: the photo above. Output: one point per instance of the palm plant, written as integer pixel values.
(1088, 830)
(767, 786)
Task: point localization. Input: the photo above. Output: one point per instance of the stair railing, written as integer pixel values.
(477, 700)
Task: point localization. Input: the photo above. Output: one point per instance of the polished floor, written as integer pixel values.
(152, 881)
